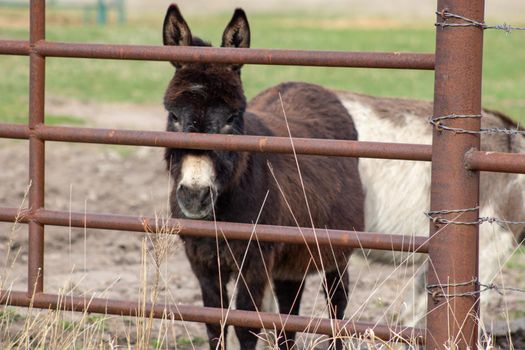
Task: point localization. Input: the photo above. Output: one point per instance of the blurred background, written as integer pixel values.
(128, 95)
(369, 25)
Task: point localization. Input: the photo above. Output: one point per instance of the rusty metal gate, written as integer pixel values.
(456, 162)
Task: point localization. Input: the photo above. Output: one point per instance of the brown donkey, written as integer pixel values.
(240, 187)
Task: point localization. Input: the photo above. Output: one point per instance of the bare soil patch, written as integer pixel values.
(133, 181)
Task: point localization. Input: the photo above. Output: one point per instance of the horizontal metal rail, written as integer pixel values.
(321, 147)
(495, 161)
(14, 47)
(395, 60)
(14, 131)
(189, 313)
(229, 230)
(474, 160)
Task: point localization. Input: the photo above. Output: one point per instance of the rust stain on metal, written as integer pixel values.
(457, 91)
(495, 161)
(190, 313)
(391, 60)
(246, 143)
(37, 73)
(262, 143)
(270, 233)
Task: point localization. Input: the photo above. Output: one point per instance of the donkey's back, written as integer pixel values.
(328, 193)
(311, 111)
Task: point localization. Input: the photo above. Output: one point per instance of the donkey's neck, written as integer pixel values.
(243, 201)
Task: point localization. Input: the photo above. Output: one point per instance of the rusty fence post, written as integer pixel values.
(453, 250)
(37, 66)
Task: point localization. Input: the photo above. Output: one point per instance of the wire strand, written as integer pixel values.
(468, 22)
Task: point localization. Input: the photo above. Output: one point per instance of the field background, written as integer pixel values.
(133, 181)
(355, 27)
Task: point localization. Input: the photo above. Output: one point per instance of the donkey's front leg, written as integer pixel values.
(213, 287)
(252, 284)
(337, 299)
(249, 297)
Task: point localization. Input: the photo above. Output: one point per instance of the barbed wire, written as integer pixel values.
(437, 291)
(468, 22)
(434, 216)
(437, 122)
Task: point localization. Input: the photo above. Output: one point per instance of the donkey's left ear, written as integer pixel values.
(237, 32)
(175, 30)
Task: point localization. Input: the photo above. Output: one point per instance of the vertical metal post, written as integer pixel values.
(37, 73)
(453, 250)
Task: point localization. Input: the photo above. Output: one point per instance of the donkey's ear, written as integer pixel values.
(175, 30)
(237, 32)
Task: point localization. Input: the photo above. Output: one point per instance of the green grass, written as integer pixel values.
(188, 343)
(144, 82)
(9, 315)
(517, 261)
(518, 312)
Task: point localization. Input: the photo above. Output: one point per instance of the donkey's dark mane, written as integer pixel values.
(209, 78)
(196, 41)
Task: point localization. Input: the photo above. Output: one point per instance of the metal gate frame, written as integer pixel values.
(456, 162)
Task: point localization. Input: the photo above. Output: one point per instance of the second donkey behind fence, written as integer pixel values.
(258, 188)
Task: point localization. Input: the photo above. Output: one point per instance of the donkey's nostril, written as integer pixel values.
(183, 190)
(195, 202)
(195, 194)
(204, 196)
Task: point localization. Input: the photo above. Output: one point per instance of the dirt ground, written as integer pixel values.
(133, 181)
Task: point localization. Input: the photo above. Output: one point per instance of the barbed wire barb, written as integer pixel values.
(437, 122)
(437, 290)
(468, 22)
(434, 215)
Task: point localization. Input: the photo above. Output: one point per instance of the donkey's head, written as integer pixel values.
(204, 98)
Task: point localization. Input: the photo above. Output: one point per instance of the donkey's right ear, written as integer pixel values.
(175, 30)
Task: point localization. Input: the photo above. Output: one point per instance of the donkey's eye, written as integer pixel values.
(231, 118)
